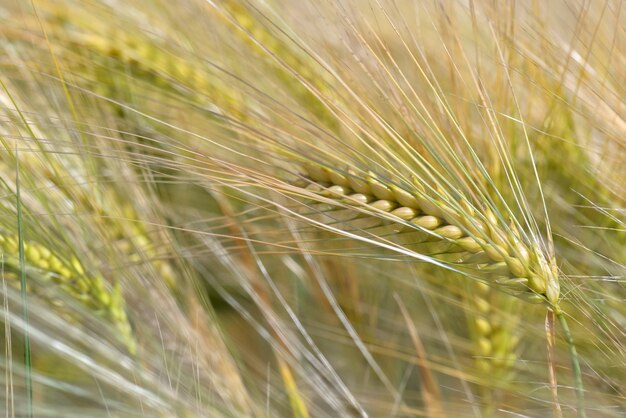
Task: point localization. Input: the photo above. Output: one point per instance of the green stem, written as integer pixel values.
(578, 377)
(20, 236)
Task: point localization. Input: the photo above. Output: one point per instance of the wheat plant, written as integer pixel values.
(375, 208)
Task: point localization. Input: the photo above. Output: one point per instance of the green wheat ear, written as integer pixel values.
(492, 318)
(70, 276)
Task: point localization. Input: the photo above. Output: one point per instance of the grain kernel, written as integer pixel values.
(384, 205)
(427, 222)
(404, 212)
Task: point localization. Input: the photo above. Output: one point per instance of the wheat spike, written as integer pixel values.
(502, 254)
(70, 276)
(494, 337)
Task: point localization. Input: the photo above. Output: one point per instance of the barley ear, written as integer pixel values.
(70, 276)
(511, 263)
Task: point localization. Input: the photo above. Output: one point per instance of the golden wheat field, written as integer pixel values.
(299, 208)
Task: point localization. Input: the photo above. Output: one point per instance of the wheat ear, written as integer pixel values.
(149, 59)
(70, 276)
(494, 343)
(493, 335)
(502, 253)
